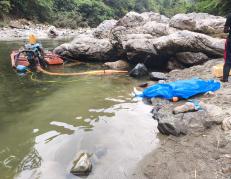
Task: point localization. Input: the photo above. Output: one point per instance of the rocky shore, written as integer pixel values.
(205, 151)
(20, 29)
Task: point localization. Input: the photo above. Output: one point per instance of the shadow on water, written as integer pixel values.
(43, 125)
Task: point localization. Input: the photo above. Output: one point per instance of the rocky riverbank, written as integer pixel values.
(205, 151)
(20, 29)
(160, 42)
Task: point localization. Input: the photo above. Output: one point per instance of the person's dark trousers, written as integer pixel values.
(227, 65)
(42, 62)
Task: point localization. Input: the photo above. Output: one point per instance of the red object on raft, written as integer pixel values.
(49, 57)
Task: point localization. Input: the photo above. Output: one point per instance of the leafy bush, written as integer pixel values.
(71, 20)
(217, 7)
(4, 7)
(94, 11)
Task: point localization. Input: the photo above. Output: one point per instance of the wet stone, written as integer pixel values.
(82, 166)
(139, 71)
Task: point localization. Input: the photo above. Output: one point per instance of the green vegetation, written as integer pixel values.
(218, 7)
(78, 13)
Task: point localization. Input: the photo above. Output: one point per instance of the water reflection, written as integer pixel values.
(30, 162)
(117, 142)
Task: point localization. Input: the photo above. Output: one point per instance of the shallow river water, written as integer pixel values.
(45, 121)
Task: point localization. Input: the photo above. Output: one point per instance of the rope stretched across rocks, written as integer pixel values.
(95, 72)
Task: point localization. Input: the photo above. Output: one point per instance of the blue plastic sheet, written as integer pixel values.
(183, 89)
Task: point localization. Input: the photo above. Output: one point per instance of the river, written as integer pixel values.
(45, 121)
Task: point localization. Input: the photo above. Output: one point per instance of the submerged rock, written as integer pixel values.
(118, 65)
(139, 71)
(82, 166)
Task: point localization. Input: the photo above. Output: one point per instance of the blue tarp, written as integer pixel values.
(183, 89)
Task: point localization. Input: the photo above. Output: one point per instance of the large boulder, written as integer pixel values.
(184, 123)
(87, 47)
(148, 38)
(152, 16)
(133, 19)
(104, 29)
(180, 124)
(157, 29)
(190, 58)
(198, 22)
(189, 41)
(174, 43)
(120, 35)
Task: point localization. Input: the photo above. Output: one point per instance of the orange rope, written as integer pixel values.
(96, 72)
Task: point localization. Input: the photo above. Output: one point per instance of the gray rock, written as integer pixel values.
(152, 16)
(161, 81)
(139, 71)
(139, 49)
(52, 32)
(133, 19)
(157, 29)
(198, 22)
(117, 65)
(190, 58)
(156, 76)
(104, 29)
(189, 41)
(174, 43)
(87, 47)
(82, 166)
(214, 111)
(147, 37)
(182, 124)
